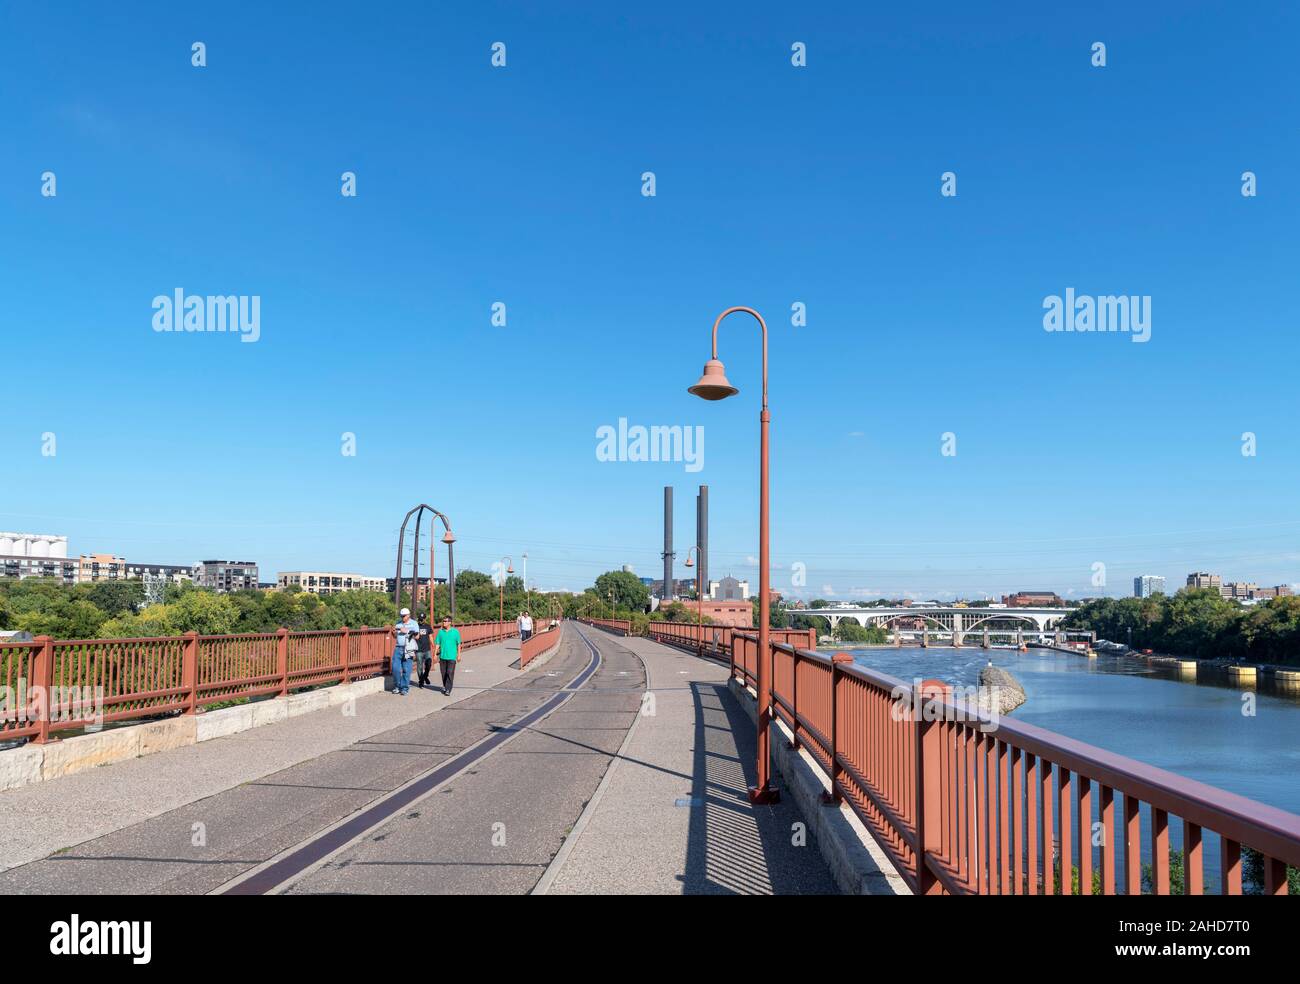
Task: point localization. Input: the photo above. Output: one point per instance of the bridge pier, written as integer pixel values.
(956, 639)
(986, 639)
(925, 639)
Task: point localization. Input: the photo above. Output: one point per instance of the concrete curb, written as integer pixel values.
(856, 861)
(31, 763)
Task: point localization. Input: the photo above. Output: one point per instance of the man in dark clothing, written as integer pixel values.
(424, 654)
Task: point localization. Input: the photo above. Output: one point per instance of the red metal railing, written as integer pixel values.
(717, 641)
(622, 625)
(964, 804)
(538, 644)
(55, 685)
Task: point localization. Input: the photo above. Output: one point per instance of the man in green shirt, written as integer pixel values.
(447, 647)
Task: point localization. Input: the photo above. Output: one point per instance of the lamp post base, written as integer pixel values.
(764, 796)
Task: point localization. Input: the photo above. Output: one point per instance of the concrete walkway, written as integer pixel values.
(672, 815)
(48, 818)
(615, 766)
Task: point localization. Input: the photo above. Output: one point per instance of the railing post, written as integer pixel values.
(343, 654)
(190, 672)
(835, 797)
(794, 700)
(43, 679)
(282, 659)
(927, 795)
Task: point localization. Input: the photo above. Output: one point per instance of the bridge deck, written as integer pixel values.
(422, 794)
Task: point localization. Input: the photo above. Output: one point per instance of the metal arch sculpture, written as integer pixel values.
(448, 538)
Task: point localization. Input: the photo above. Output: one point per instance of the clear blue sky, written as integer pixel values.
(775, 185)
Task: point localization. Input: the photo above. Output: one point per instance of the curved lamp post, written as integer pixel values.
(714, 385)
(699, 599)
(447, 537)
(501, 588)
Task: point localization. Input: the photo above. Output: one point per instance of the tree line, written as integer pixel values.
(117, 609)
(1197, 623)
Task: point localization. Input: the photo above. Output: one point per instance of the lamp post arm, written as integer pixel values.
(761, 323)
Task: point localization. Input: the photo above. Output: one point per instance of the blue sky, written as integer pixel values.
(774, 185)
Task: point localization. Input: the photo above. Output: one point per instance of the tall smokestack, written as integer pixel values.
(702, 538)
(668, 543)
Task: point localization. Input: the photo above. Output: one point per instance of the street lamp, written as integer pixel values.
(501, 592)
(714, 385)
(699, 599)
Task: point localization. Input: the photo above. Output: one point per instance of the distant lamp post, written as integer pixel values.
(714, 385)
(699, 599)
(501, 588)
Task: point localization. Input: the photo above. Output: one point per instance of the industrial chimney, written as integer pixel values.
(702, 538)
(668, 544)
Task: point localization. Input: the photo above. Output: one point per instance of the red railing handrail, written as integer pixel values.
(141, 677)
(1189, 798)
(953, 824)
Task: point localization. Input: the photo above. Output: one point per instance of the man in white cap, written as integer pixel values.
(407, 629)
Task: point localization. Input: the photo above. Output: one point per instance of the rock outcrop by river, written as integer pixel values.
(999, 690)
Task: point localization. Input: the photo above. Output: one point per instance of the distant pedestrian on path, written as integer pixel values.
(519, 626)
(406, 631)
(424, 650)
(446, 646)
(527, 625)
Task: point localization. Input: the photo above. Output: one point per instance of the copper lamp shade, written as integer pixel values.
(713, 385)
(448, 538)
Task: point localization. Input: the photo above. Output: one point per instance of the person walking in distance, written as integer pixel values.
(424, 650)
(406, 631)
(519, 627)
(528, 625)
(446, 646)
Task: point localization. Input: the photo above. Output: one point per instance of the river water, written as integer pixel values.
(1122, 705)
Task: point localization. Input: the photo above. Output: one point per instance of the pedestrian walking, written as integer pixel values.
(424, 650)
(407, 631)
(528, 626)
(519, 626)
(446, 646)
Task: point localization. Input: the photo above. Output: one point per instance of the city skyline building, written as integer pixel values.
(1146, 585)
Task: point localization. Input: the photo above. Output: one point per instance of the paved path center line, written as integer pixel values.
(276, 873)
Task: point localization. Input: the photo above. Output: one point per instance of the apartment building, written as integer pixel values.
(100, 567)
(225, 575)
(328, 582)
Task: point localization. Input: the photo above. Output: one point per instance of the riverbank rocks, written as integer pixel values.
(1000, 690)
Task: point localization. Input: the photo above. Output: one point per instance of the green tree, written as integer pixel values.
(628, 591)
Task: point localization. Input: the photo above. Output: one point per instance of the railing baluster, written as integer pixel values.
(1017, 831)
(1193, 862)
(1063, 781)
(1083, 800)
(1004, 817)
(1049, 831)
(1108, 840)
(1274, 877)
(1031, 822)
(1160, 850)
(1229, 866)
(1132, 845)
